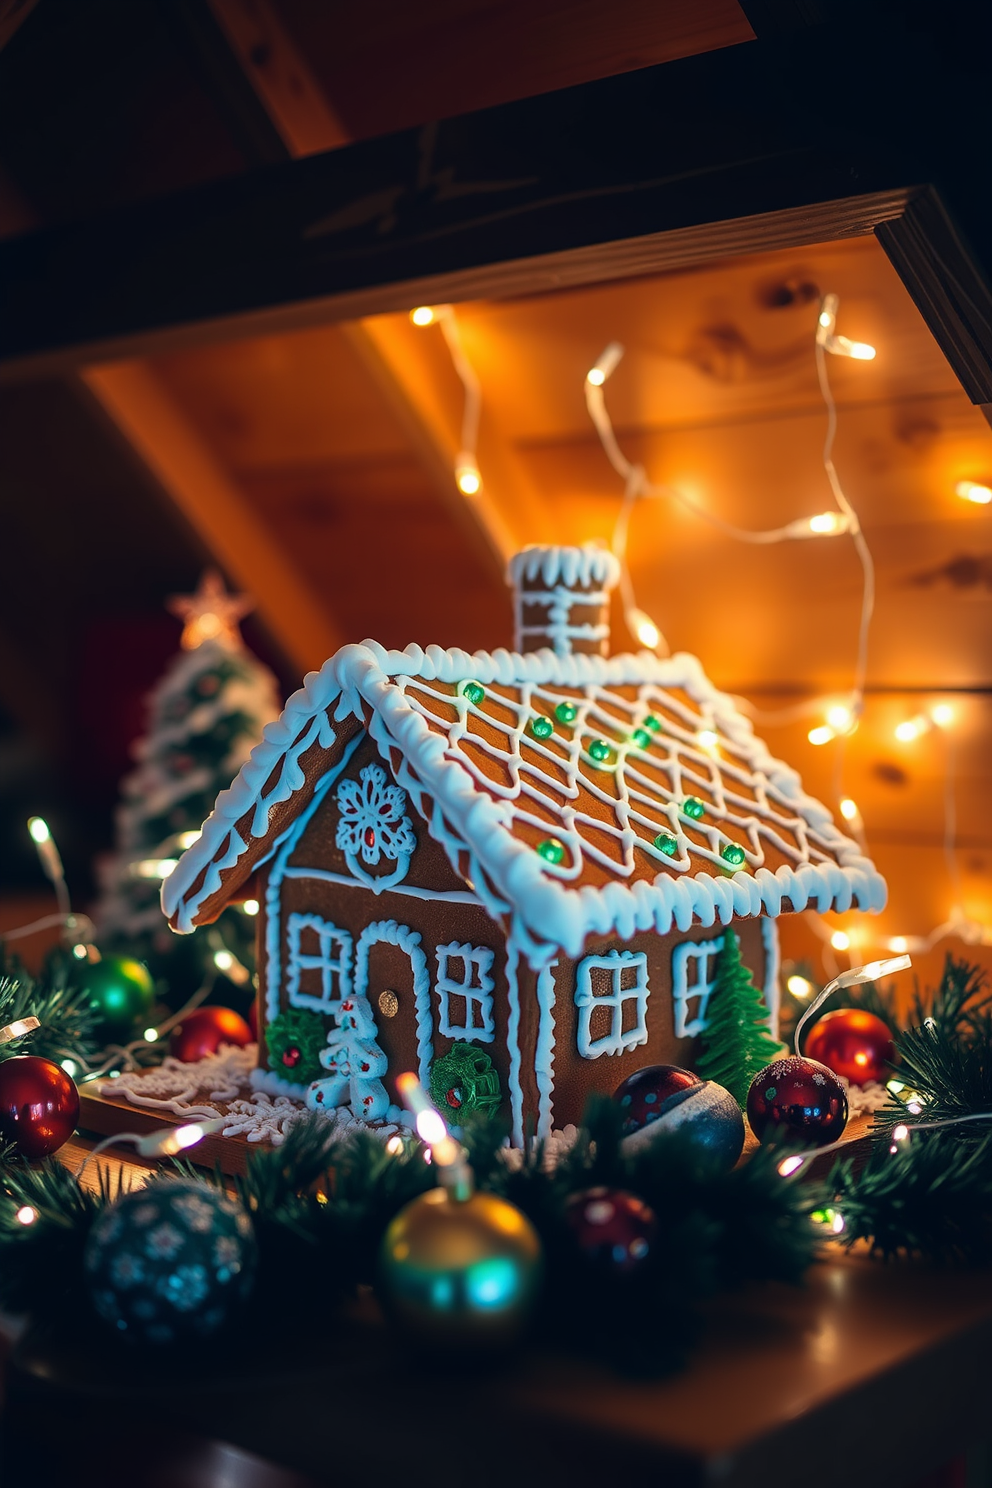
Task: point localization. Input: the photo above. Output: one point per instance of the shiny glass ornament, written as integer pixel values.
(122, 991)
(39, 1105)
(204, 1030)
(853, 1043)
(797, 1101)
(613, 1229)
(662, 1098)
(460, 1272)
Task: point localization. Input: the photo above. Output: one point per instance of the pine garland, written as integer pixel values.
(65, 1013)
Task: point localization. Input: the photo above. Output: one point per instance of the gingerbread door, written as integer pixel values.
(391, 972)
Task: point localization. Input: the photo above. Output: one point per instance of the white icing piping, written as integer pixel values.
(407, 940)
(586, 565)
(773, 989)
(445, 896)
(513, 1043)
(544, 1061)
(546, 913)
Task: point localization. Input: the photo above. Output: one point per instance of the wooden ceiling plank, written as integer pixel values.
(509, 509)
(294, 100)
(159, 434)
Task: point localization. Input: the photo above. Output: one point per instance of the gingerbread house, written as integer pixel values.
(510, 872)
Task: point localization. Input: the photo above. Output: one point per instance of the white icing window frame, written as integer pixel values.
(703, 954)
(333, 962)
(617, 1041)
(477, 960)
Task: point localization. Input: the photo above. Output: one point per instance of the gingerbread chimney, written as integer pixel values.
(561, 598)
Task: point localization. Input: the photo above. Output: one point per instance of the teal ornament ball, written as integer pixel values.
(170, 1262)
(460, 1273)
(122, 992)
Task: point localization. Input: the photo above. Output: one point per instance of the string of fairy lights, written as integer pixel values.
(839, 717)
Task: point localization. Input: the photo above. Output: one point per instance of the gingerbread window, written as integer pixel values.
(611, 995)
(693, 978)
(318, 965)
(465, 992)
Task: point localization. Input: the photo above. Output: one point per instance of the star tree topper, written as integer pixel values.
(211, 614)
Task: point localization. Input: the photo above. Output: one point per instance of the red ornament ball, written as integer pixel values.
(853, 1043)
(613, 1228)
(645, 1094)
(204, 1030)
(39, 1105)
(797, 1100)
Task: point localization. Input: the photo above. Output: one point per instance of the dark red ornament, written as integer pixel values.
(853, 1043)
(644, 1095)
(611, 1227)
(39, 1105)
(797, 1101)
(203, 1031)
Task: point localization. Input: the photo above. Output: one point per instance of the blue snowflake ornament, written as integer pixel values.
(170, 1262)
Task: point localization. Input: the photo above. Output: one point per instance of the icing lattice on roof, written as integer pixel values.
(579, 788)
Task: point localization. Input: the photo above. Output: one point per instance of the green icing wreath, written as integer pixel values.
(294, 1040)
(464, 1080)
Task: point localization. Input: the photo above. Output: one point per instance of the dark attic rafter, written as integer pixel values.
(854, 125)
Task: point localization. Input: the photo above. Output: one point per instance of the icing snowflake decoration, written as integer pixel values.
(373, 823)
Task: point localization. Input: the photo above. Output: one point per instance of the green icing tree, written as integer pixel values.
(736, 1042)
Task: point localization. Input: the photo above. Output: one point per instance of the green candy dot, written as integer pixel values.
(694, 807)
(641, 738)
(566, 712)
(550, 850)
(541, 728)
(667, 844)
(600, 751)
(474, 692)
(652, 723)
(732, 853)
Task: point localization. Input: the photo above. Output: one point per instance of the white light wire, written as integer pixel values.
(472, 408)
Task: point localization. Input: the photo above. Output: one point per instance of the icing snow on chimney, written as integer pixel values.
(561, 598)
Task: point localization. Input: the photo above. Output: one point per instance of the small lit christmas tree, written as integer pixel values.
(205, 716)
(736, 1042)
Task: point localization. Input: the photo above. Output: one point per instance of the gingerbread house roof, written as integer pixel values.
(577, 794)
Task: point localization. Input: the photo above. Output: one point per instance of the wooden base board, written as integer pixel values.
(106, 1116)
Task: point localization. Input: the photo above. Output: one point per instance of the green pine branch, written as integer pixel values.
(65, 1013)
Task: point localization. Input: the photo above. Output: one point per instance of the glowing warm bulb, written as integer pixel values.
(644, 628)
(826, 319)
(840, 718)
(942, 715)
(972, 491)
(223, 960)
(900, 1133)
(80, 952)
(251, 906)
(467, 477)
(827, 524)
(394, 1146)
(607, 364)
(707, 739)
(151, 1034)
(39, 829)
(790, 1165)
(840, 940)
(821, 735)
(71, 1068)
(861, 351)
(849, 809)
(423, 315)
(26, 1214)
(153, 867)
(899, 944)
(431, 1128)
(596, 376)
(799, 986)
(911, 729)
(186, 839)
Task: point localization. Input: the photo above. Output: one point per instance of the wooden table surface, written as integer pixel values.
(868, 1373)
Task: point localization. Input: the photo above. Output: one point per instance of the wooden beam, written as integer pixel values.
(569, 187)
(177, 457)
(509, 510)
(281, 78)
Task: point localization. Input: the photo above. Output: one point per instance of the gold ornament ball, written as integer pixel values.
(460, 1271)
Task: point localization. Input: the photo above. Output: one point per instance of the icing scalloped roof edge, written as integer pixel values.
(543, 909)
